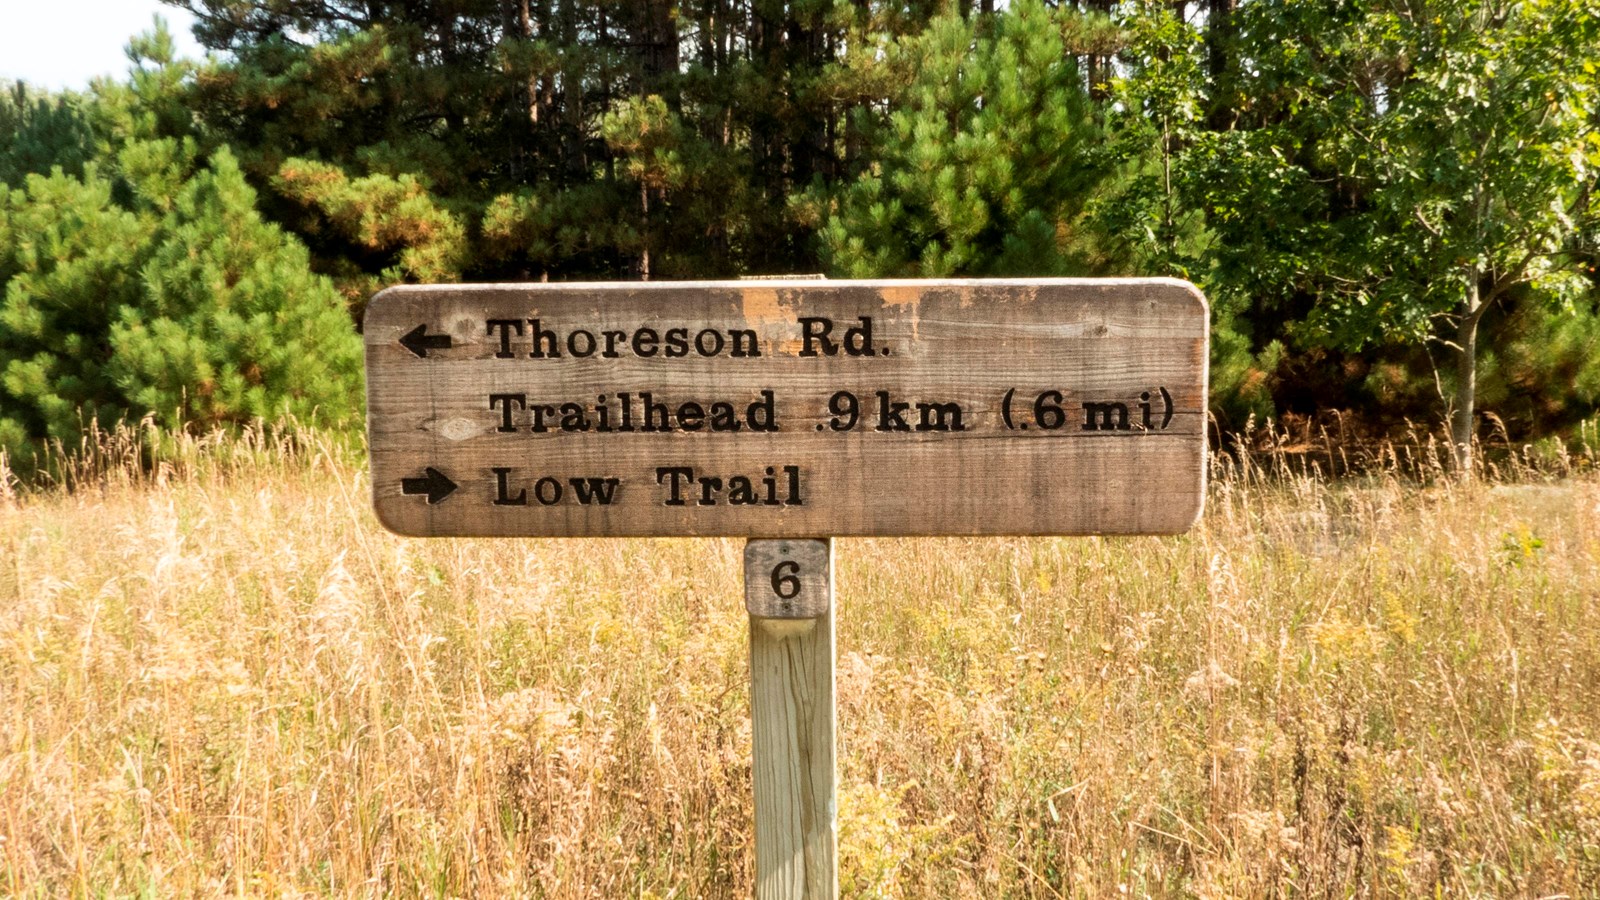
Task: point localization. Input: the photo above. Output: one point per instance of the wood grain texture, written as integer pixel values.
(793, 722)
(786, 579)
(445, 462)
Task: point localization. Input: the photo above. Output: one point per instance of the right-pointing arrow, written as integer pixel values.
(433, 483)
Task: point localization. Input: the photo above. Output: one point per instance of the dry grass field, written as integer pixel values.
(224, 679)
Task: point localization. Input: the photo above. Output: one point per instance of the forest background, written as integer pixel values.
(1390, 204)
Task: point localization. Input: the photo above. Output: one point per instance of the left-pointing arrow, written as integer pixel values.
(433, 483)
(419, 341)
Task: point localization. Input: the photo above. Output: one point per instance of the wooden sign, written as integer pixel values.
(788, 408)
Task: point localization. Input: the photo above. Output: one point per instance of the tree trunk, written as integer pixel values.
(644, 256)
(525, 20)
(575, 162)
(1219, 41)
(1098, 64)
(1462, 416)
(804, 57)
(658, 49)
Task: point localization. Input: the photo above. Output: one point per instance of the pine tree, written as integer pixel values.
(40, 132)
(499, 109)
(391, 224)
(987, 163)
(150, 284)
(69, 263)
(233, 326)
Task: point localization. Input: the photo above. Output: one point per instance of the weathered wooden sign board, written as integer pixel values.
(788, 408)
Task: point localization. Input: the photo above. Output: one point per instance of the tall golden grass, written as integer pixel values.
(218, 676)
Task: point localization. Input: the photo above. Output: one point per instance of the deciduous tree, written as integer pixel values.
(1399, 169)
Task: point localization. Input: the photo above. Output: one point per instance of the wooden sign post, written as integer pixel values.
(784, 411)
(788, 591)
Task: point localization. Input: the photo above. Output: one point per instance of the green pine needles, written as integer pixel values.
(987, 166)
(122, 299)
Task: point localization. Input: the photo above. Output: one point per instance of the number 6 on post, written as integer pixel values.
(786, 579)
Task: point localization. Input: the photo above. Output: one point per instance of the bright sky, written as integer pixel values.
(63, 43)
